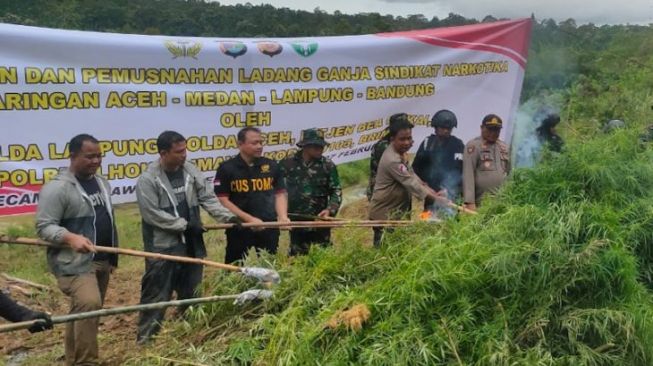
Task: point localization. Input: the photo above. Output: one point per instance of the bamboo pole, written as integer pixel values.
(262, 274)
(254, 294)
(136, 253)
(313, 224)
(314, 217)
(25, 282)
(462, 209)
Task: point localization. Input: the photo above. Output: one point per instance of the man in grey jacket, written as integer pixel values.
(169, 194)
(75, 210)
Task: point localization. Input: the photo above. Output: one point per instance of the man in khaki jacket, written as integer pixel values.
(486, 162)
(396, 181)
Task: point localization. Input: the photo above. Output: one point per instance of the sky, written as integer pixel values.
(598, 12)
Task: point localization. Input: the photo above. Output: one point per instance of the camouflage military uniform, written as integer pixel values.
(377, 152)
(312, 187)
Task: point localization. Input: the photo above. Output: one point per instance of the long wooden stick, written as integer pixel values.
(115, 311)
(462, 209)
(136, 253)
(313, 217)
(313, 224)
(265, 275)
(25, 282)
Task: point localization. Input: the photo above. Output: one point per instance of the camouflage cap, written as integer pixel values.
(492, 121)
(312, 136)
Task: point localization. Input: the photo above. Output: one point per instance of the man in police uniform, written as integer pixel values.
(396, 182)
(486, 162)
(439, 159)
(313, 189)
(253, 189)
(378, 149)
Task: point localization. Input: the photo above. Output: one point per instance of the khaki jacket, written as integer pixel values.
(395, 183)
(485, 167)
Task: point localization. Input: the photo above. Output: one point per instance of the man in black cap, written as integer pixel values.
(378, 149)
(486, 162)
(439, 159)
(313, 189)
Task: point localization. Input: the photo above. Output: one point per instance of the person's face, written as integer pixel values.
(252, 146)
(175, 157)
(403, 141)
(490, 134)
(313, 152)
(87, 161)
(443, 132)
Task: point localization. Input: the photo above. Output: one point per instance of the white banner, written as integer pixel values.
(126, 89)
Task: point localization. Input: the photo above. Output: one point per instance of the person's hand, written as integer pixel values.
(285, 220)
(470, 206)
(79, 243)
(45, 322)
(195, 230)
(255, 220)
(324, 213)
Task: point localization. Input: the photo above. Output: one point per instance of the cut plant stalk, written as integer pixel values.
(264, 275)
(239, 299)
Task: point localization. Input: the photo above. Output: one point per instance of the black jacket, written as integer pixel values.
(440, 164)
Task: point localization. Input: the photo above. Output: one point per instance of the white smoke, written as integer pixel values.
(525, 142)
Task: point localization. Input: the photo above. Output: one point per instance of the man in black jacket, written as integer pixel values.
(13, 312)
(439, 159)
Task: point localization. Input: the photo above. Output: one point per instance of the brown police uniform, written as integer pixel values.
(395, 182)
(485, 168)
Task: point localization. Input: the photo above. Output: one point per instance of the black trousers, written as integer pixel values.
(161, 278)
(378, 234)
(240, 240)
(301, 239)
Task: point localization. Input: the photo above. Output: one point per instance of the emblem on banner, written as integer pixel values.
(183, 48)
(233, 49)
(304, 48)
(269, 48)
(265, 168)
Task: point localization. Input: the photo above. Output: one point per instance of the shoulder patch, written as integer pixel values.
(470, 149)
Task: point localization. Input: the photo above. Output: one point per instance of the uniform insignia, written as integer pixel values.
(487, 164)
(470, 149)
(265, 168)
(403, 169)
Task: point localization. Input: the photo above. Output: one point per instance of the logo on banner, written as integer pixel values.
(233, 49)
(304, 48)
(269, 48)
(183, 48)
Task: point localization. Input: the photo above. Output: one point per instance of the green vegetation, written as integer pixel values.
(556, 270)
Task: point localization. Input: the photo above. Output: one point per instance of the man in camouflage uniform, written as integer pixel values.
(313, 189)
(378, 149)
(486, 162)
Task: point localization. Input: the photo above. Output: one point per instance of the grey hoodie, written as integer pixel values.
(163, 229)
(65, 207)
